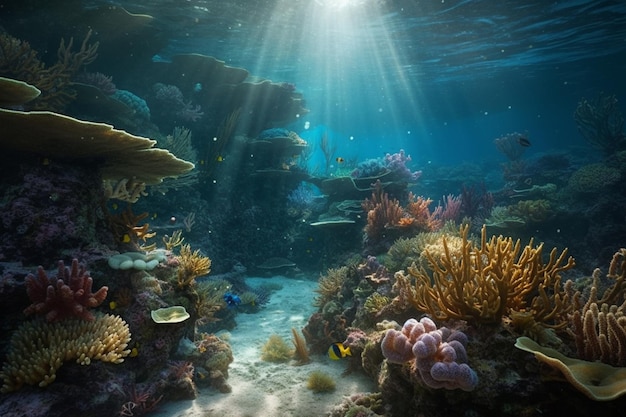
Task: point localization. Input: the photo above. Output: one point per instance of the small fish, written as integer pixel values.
(220, 158)
(125, 238)
(523, 141)
(338, 351)
(45, 161)
(202, 162)
(154, 216)
(232, 300)
(114, 206)
(112, 305)
(340, 160)
(134, 352)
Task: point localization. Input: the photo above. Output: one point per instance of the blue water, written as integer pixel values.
(440, 79)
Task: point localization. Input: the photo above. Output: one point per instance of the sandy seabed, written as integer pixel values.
(264, 389)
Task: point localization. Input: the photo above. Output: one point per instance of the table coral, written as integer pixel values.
(64, 296)
(438, 356)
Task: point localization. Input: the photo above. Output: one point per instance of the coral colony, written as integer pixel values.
(437, 356)
(124, 257)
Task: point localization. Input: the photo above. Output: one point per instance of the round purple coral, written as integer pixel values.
(396, 347)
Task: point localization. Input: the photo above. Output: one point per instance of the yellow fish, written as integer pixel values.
(338, 351)
(112, 305)
(125, 238)
(114, 206)
(219, 158)
(134, 352)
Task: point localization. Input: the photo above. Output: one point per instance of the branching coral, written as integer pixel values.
(599, 325)
(18, 60)
(66, 295)
(191, 266)
(38, 349)
(484, 283)
(382, 213)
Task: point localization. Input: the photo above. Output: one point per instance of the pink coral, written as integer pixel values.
(438, 356)
(66, 295)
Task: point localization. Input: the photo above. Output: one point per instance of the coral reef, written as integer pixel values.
(38, 349)
(66, 295)
(599, 325)
(438, 356)
(488, 281)
(191, 266)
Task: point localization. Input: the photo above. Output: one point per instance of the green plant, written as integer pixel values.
(320, 382)
(276, 350)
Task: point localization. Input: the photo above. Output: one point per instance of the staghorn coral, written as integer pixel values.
(191, 265)
(599, 325)
(38, 349)
(485, 282)
(437, 356)
(64, 296)
(19, 61)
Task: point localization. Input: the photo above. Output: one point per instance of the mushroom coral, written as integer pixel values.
(597, 380)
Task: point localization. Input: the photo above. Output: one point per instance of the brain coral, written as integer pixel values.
(593, 176)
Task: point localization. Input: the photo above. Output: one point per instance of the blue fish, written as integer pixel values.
(232, 300)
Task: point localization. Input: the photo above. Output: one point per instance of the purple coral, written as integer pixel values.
(397, 163)
(438, 355)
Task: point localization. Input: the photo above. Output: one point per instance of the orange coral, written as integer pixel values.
(483, 283)
(382, 213)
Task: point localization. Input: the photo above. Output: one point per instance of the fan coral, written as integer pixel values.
(38, 349)
(439, 354)
(66, 295)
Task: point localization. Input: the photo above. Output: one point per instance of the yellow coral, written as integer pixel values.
(38, 349)
(192, 265)
(330, 285)
(484, 283)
